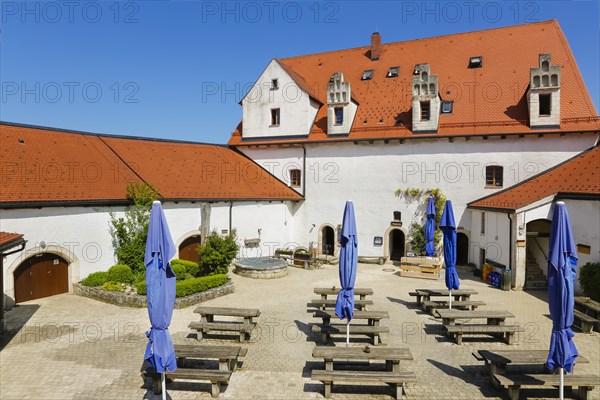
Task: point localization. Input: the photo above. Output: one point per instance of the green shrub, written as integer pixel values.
(216, 253)
(141, 288)
(129, 232)
(188, 276)
(113, 286)
(139, 275)
(190, 266)
(179, 271)
(197, 285)
(95, 279)
(589, 279)
(120, 273)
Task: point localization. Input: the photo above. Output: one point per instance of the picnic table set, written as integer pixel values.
(350, 311)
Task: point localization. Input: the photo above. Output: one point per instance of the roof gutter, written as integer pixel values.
(11, 245)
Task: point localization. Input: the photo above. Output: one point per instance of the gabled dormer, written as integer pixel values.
(279, 104)
(543, 97)
(425, 100)
(340, 107)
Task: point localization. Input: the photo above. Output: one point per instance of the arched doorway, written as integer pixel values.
(42, 275)
(536, 253)
(327, 241)
(462, 249)
(188, 249)
(397, 242)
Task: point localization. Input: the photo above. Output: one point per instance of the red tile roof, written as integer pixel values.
(487, 100)
(7, 238)
(47, 165)
(577, 176)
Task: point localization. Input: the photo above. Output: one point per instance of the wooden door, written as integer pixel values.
(188, 249)
(41, 276)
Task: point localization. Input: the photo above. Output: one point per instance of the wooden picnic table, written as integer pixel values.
(208, 313)
(333, 291)
(372, 317)
(391, 356)
(587, 304)
(458, 294)
(493, 317)
(496, 361)
(227, 355)
(501, 358)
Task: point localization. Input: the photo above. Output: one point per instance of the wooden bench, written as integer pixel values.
(513, 382)
(208, 313)
(398, 379)
(372, 331)
(458, 331)
(215, 377)
(586, 322)
(431, 305)
(329, 303)
(228, 356)
(333, 291)
(205, 327)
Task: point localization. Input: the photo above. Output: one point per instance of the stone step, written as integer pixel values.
(535, 284)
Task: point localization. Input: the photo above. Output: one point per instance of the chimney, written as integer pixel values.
(375, 46)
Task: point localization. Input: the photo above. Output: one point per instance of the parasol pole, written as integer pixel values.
(164, 386)
(561, 388)
(450, 299)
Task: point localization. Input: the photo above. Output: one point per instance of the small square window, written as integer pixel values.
(367, 75)
(275, 117)
(475, 62)
(425, 108)
(295, 177)
(545, 104)
(494, 176)
(393, 72)
(447, 107)
(339, 115)
(274, 83)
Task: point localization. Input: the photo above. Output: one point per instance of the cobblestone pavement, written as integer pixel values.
(70, 347)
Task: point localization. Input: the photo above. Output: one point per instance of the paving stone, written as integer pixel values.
(70, 347)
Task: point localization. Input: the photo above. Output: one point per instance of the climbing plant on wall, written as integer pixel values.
(417, 230)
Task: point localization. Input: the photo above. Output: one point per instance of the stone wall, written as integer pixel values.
(134, 300)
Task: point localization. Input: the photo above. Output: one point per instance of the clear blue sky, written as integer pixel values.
(150, 68)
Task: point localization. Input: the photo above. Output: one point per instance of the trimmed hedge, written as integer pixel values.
(191, 267)
(589, 279)
(196, 285)
(120, 273)
(95, 279)
(190, 286)
(179, 271)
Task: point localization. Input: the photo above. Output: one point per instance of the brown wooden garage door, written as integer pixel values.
(188, 249)
(41, 276)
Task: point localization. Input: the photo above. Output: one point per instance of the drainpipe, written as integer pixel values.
(230, 213)
(303, 171)
(510, 248)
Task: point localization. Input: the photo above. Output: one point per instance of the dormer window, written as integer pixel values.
(393, 72)
(447, 107)
(367, 75)
(475, 62)
(274, 83)
(545, 104)
(339, 115)
(275, 117)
